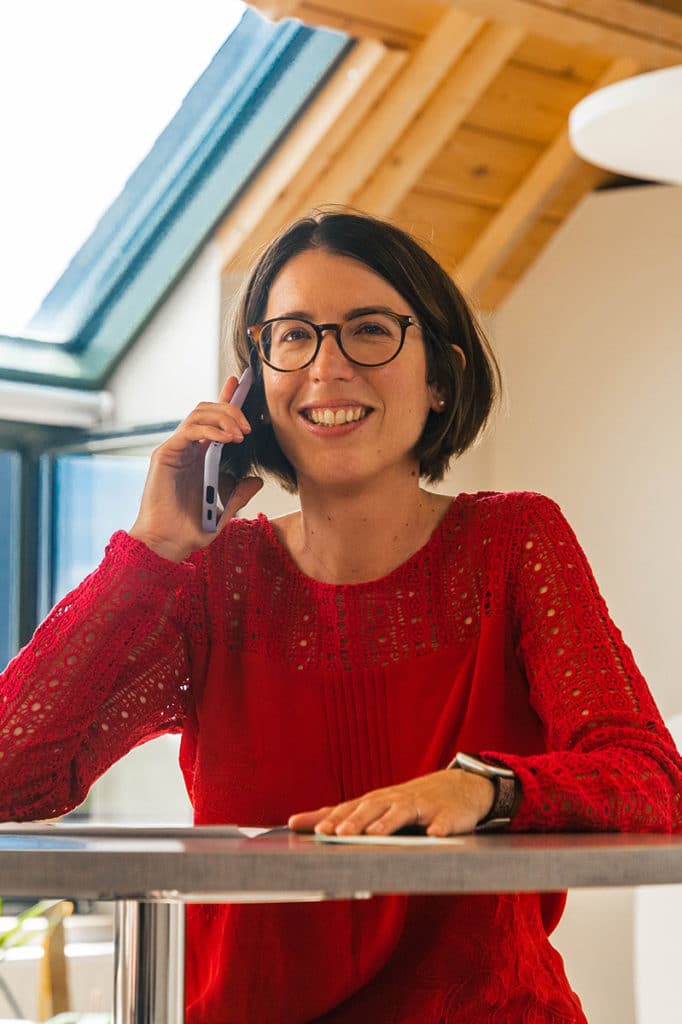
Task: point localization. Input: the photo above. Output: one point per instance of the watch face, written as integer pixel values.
(473, 764)
(469, 763)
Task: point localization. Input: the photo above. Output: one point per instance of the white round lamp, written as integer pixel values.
(633, 127)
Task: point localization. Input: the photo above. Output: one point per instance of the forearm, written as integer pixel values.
(610, 763)
(620, 788)
(106, 670)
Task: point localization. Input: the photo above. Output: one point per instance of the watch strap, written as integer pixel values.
(507, 797)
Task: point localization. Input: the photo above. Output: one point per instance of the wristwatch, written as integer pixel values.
(507, 788)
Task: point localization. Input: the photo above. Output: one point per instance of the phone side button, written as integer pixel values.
(210, 494)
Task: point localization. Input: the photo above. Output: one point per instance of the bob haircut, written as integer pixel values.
(445, 318)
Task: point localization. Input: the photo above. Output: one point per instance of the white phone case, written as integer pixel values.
(210, 496)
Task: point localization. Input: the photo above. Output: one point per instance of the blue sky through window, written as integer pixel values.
(85, 90)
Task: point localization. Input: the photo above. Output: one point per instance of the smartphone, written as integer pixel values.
(209, 511)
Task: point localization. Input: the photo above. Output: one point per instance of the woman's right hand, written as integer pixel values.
(169, 518)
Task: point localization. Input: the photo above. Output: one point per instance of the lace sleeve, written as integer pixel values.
(106, 670)
(611, 764)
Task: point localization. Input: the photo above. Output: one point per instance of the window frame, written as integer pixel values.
(94, 442)
(38, 449)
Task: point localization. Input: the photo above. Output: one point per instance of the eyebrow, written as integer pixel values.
(302, 314)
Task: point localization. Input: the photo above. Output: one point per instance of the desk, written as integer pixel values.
(151, 876)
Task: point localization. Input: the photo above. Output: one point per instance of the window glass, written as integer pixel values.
(85, 90)
(10, 482)
(94, 495)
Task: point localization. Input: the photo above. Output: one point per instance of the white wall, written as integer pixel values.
(590, 343)
(590, 346)
(174, 363)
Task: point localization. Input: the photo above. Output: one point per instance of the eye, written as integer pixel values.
(370, 327)
(290, 332)
(294, 334)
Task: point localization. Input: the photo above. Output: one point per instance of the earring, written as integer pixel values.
(441, 403)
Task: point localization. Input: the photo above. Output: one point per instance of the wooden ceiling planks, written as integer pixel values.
(463, 138)
(528, 201)
(572, 26)
(283, 190)
(438, 119)
(648, 18)
(446, 227)
(557, 58)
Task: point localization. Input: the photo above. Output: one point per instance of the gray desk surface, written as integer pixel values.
(45, 862)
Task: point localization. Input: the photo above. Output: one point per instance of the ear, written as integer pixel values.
(437, 402)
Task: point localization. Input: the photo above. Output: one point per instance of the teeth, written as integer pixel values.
(335, 417)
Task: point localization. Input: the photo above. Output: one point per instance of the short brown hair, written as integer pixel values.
(444, 316)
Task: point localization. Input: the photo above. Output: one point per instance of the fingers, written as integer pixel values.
(217, 422)
(379, 814)
(228, 389)
(376, 813)
(306, 821)
(444, 803)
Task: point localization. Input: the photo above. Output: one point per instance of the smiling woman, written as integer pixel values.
(335, 668)
(372, 265)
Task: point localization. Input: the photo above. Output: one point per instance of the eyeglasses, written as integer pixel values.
(371, 339)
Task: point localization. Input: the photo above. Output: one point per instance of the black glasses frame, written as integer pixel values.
(256, 330)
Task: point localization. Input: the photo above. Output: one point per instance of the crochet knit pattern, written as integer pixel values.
(292, 694)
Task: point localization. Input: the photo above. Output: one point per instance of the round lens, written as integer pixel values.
(288, 344)
(371, 339)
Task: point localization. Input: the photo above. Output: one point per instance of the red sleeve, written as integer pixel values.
(106, 670)
(611, 764)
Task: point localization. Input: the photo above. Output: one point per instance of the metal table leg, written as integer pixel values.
(149, 962)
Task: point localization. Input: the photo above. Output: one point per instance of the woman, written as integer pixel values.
(331, 667)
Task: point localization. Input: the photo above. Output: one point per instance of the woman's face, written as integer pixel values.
(391, 401)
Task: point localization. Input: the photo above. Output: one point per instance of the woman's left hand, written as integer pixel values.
(444, 802)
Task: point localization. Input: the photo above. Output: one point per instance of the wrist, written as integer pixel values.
(164, 549)
(506, 788)
(484, 793)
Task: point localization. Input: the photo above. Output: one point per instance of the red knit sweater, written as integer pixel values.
(292, 694)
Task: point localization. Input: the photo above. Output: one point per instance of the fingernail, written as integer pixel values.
(346, 828)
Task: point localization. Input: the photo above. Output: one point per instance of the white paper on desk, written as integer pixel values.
(391, 840)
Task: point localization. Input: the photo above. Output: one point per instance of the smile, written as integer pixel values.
(335, 417)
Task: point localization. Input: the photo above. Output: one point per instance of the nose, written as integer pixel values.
(330, 363)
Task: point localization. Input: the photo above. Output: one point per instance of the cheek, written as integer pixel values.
(275, 388)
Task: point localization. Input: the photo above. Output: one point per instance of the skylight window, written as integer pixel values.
(85, 90)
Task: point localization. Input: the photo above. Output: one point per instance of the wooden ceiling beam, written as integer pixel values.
(341, 103)
(276, 9)
(416, 18)
(641, 19)
(569, 27)
(528, 201)
(425, 69)
(438, 119)
(296, 197)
